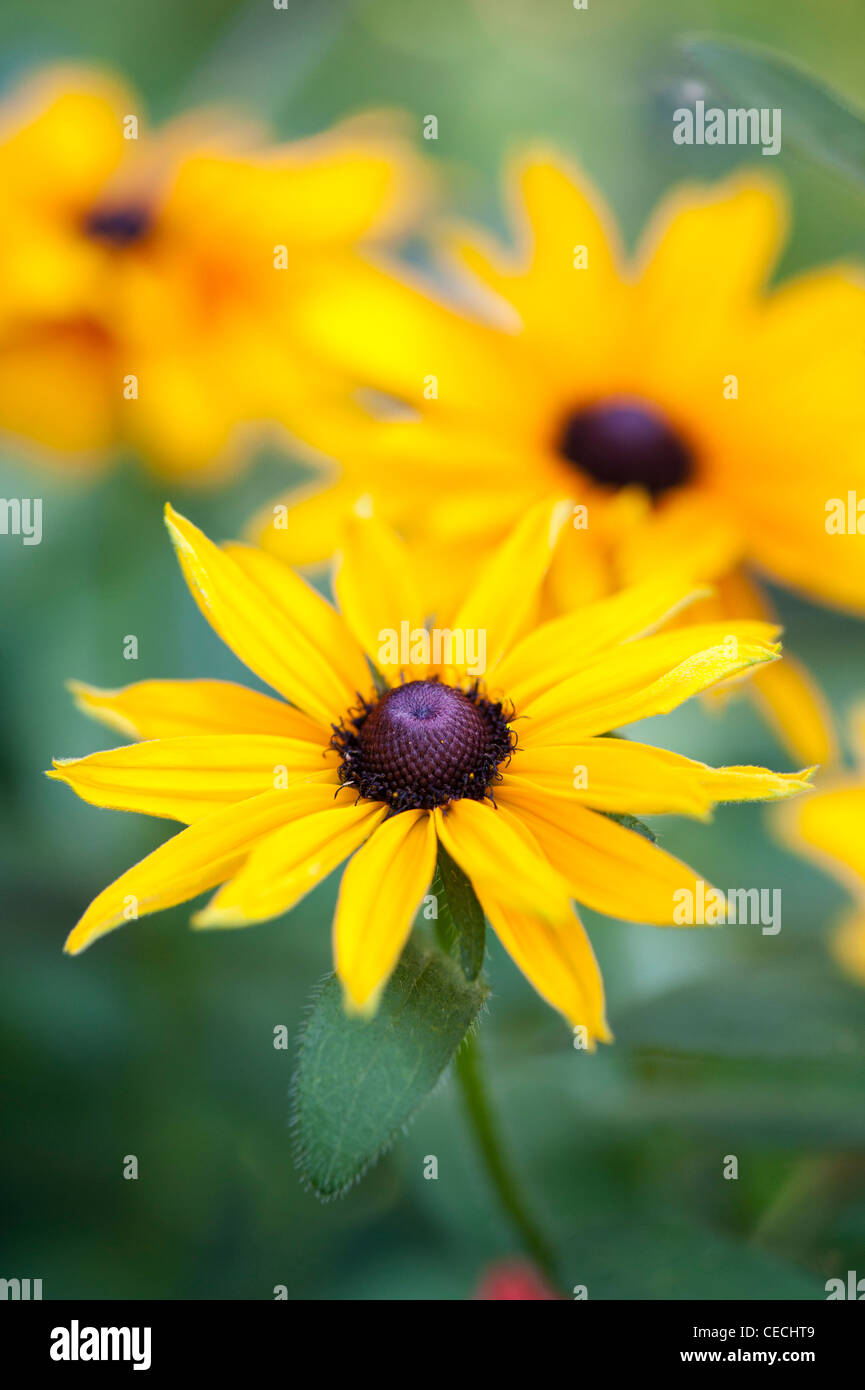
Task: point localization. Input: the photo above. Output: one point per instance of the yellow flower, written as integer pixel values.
(148, 282)
(507, 769)
(697, 417)
(829, 828)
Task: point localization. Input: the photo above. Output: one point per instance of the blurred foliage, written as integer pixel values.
(159, 1042)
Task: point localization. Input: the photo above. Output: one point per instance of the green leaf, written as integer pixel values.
(814, 117)
(631, 823)
(665, 1258)
(755, 1011)
(759, 1053)
(360, 1081)
(461, 918)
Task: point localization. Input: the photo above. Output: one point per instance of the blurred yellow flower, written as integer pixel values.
(148, 282)
(700, 419)
(829, 828)
(508, 769)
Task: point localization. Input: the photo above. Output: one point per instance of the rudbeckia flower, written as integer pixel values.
(148, 281)
(508, 769)
(696, 416)
(828, 827)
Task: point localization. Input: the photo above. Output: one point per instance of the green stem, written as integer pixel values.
(477, 1105)
(807, 1204)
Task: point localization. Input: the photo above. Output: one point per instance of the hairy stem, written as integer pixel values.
(476, 1101)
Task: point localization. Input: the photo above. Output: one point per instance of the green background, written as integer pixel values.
(159, 1042)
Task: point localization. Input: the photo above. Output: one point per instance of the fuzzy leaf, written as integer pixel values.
(814, 117)
(461, 918)
(360, 1081)
(631, 823)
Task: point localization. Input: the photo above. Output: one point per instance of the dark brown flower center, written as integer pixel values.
(120, 225)
(424, 744)
(624, 440)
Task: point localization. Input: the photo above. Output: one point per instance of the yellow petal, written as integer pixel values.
(704, 257)
(554, 212)
(377, 592)
(171, 709)
(279, 640)
(827, 826)
(561, 209)
(551, 653)
(304, 527)
(71, 368)
(289, 863)
(558, 961)
(328, 191)
(506, 594)
(381, 891)
(631, 778)
(803, 354)
(795, 705)
(857, 733)
(688, 532)
(415, 337)
(748, 783)
(786, 692)
(848, 944)
(197, 858)
(483, 842)
(607, 867)
(641, 679)
(304, 613)
(187, 778)
(69, 136)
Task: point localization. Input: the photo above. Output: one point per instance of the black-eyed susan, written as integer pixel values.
(148, 280)
(829, 828)
(698, 417)
(505, 766)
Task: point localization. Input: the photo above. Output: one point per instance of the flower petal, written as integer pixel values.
(187, 778)
(377, 590)
(556, 207)
(548, 654)
(483, 842)
(477, 368)
(827, 827)
(787, 693)
(382, 888)
(506, 594)
(289, 863)
(645, 678)
(848, 944)
(704, 257)
(607, 867)
(305, 611)
(622, 776)
(197, 858)
(172, 709)
(304, 526)
(558, 961)
(328, 191)
(63, 136)
(274, 623)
